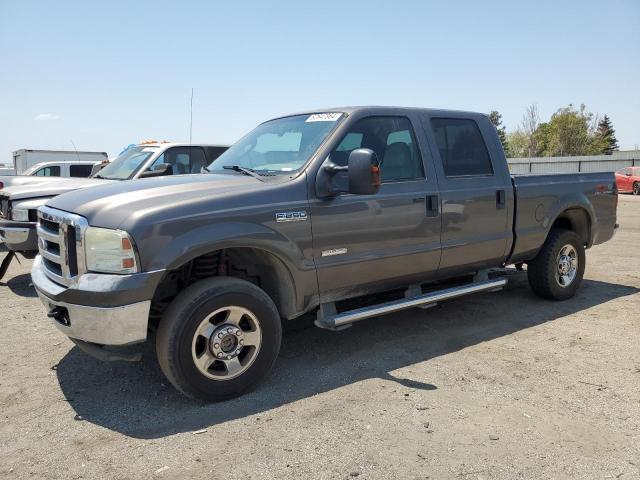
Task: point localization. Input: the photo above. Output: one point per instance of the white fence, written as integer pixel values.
(594, 163)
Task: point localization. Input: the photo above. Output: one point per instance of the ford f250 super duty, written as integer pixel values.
(20, 196)
(350, 213)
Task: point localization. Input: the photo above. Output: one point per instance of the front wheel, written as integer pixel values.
(218, 338)
(636, 188)
(557, 270)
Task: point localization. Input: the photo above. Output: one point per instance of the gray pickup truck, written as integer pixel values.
(350, 213)
(20, 196)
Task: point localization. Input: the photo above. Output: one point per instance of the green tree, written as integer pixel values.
(496, 119)
(518, 142)
(606, 136)
(570, 132)
(541, 139)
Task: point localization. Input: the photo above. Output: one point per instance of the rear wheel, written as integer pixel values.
(219, 338)
(636, 188)
(557, 270)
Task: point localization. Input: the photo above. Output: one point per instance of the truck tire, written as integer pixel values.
(557, 270)
(218, 338)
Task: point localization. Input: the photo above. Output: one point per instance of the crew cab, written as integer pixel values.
(350, 213)
(22, 195)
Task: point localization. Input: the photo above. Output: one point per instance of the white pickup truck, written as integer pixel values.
(21, 196)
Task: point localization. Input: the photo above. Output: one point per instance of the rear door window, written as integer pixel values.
(461, 146)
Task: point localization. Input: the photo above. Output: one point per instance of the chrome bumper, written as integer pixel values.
(106, 326)
(14, 235)
(19, 236)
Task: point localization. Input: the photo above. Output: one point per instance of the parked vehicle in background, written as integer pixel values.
(25, 158)
(7, 170)
(61, 169)
(350, 213)
(22, 195)
(628, 180)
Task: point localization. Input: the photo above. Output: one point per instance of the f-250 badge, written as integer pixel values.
(291, 216)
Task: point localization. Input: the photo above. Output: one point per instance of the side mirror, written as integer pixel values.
(364, 172)
(628, 174)
(363, 175)
(158, 171)
(97, 167)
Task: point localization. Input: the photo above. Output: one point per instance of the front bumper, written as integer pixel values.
(105, 326)
(19, 236)
(118, 310)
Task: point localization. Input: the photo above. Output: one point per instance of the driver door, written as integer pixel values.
(183, 160)
(377, 242)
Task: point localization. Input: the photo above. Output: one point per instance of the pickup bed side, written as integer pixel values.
(584, 203)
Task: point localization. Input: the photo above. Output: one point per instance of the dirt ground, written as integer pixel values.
(500, 385)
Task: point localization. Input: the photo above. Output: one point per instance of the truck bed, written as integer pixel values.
(539, 199)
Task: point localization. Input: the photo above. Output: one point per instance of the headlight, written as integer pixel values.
(109, 251)
(19, 214)
(20, 209)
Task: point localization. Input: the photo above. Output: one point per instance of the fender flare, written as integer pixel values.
(574, 201)
(301, 279)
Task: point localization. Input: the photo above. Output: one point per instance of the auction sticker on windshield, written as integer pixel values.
(324, 117)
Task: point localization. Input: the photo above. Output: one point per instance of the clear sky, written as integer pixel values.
(107, 74)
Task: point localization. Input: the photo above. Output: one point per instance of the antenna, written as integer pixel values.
(191, 118)
(74, 147)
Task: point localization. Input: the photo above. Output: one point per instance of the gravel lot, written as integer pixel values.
(501, 385)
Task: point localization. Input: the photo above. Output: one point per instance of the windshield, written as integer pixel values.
(279, 146)
(127, 163)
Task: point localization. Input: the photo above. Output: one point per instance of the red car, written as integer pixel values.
(628, 180)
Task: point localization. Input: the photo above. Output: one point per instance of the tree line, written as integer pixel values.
(570, 131)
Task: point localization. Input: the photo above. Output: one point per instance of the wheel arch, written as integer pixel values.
(576, 219)
(249, 251)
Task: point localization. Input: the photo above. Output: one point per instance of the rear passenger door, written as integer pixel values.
(474, 194)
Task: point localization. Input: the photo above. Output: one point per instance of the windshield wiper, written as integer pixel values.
(245, 170)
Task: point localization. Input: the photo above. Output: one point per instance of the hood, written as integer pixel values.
(34, 187)
(110, 205)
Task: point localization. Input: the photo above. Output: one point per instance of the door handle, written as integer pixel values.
(501, 199)
(433, 205)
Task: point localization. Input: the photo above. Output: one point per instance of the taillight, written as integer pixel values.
(1, 185)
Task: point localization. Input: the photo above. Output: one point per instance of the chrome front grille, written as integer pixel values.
(61, 244)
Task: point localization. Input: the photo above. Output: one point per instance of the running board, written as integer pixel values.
(337, 321)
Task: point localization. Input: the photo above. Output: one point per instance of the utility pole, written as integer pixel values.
(191, 119)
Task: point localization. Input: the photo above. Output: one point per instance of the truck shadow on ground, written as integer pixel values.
(21, 286)
(135, 399)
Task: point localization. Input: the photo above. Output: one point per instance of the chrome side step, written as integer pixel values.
(327, 318)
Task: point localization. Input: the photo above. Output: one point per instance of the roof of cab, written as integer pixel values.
(382, 109)
(179, 144)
